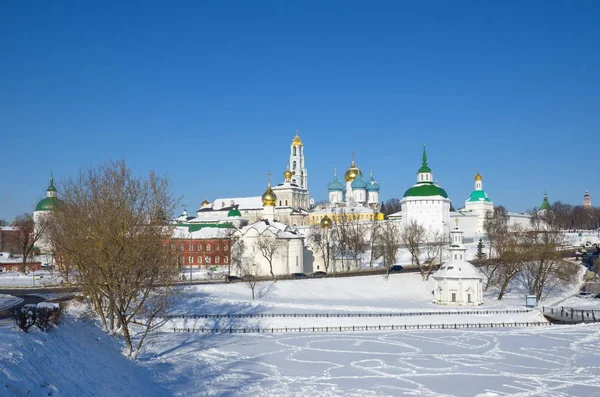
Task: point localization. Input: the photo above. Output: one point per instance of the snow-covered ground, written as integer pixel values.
(79, 359)
(33, 279)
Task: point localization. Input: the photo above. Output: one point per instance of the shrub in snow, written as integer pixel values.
(25, 317)
(44, 315)
(48, 315)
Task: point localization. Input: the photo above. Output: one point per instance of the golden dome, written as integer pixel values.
(269, 198)
(326, 222)
(478, 177)
(296, 141)
(204, 203)
(287, 174)
(352, 172)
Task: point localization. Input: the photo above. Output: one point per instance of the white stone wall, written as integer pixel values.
(463, 289)
(431, 212)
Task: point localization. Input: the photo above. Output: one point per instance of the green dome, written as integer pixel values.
(545, 204)
(234, 212)
(47, 204)
(425, 190)
(477, 196)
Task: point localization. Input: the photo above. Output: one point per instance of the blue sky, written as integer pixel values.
(211, 93)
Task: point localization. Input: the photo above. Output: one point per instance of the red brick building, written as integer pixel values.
(8, 235)
(203, 245)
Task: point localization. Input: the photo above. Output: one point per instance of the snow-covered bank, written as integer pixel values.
(76, 359)
(399, 293)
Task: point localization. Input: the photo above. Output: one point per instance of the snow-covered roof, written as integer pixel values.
(457, 269)
(243, 203)
(395, 215)
(8, 228)
(204, 233)
(463, 213)
(281, 230)
(358, 209)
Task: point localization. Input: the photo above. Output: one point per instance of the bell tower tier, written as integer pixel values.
(297, 165)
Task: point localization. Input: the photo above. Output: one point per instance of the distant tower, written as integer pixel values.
(297, 166)
(43, 208)
(587, 201)
(373, 192)
(545, 204)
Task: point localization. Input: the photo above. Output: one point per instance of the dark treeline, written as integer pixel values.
(572, 217)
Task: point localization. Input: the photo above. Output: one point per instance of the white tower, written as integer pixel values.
(336, 190)
(587, 200)
(373, 192)
(297, 166)
(479, 203)
(43, 208)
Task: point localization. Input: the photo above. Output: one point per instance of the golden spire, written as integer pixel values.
(352, 172)
(287, 174)
(297, 141)
(269, 198)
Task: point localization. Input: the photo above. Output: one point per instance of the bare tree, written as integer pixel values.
(237, 255)
(420, 243)
(269, 246)
(356, 240)
(391, 206)
(250, 274)
(27, 235)
(544, 267)
(320, 239)
(387, 241)
(495, 226)
(110, 227)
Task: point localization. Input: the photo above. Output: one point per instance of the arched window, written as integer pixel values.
(294, 165)
(294, 150)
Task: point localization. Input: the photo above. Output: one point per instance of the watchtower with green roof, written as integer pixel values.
(426, 202)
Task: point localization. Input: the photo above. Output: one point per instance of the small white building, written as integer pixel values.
(458, 282)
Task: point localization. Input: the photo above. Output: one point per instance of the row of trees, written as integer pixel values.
(571, 217)
(347, 242)
(529, 256)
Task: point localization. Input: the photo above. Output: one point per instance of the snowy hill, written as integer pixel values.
(77, 359)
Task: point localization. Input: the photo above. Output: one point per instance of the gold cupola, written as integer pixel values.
(352, 172)
(297, 141)
(287, 175)
(205, 203)
(478, 177)
(326, 222)
(269, 198)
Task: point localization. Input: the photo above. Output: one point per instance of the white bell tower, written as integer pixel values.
(297, 166)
